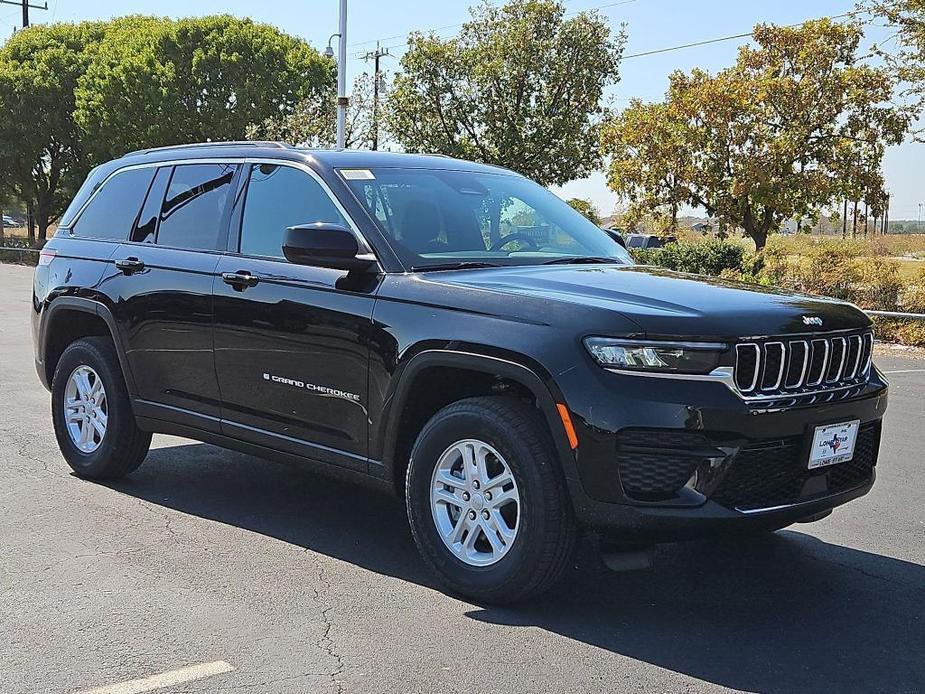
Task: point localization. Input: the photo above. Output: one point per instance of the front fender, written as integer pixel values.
(531, 376)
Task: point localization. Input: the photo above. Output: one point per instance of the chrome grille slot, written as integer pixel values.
(867, 348)
(774, 360)
(814, 366)
(747, 362)
(818, 362)
(836, 360)
(797, 364)
(853, 359)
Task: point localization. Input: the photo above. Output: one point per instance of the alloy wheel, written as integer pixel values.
(475, 502)
(85, 409)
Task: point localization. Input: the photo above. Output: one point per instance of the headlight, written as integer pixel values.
(651, 355)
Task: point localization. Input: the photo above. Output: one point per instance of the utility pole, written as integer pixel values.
(342, 77)
(918, 227)
(375, 56)
(25, 8)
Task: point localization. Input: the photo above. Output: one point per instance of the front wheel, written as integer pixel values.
(486, 500)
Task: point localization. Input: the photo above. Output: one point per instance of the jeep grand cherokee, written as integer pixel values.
(454, 333)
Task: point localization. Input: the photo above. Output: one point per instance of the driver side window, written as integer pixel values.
(279, 197)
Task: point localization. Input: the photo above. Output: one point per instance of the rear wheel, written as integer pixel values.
(92, 416)
(486, 501)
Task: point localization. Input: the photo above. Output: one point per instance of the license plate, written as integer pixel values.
(833, 444)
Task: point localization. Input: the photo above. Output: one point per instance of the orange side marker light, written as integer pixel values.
(567, 423)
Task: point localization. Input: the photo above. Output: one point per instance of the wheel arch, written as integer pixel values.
(396, 430)
(69, 318)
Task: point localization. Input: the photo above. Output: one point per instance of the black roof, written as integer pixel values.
(326, 158)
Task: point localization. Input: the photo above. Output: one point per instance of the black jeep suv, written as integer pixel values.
(451, 332)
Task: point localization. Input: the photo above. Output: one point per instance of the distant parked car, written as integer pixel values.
(10, 222)
(646, 241)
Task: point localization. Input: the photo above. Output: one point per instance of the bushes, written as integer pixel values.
(710, 257)
(843, 269)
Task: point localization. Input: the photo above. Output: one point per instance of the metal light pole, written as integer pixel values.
(342, 77)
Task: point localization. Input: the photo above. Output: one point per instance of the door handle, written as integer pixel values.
(240, 280)
(130, 265)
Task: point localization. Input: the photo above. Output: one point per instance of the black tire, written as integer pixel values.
(124, 446)
(546, 530)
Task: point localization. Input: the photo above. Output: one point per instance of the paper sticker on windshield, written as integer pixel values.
(357, 174)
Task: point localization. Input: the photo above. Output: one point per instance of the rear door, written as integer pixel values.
(162, 285)
(291, 343)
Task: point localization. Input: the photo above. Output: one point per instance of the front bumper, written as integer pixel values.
(735, 466)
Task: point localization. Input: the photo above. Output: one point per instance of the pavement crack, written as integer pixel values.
(325, 642)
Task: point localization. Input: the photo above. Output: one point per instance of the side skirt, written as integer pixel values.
(352, 476)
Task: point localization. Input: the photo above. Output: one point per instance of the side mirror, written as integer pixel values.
(616, 236)
(325, 245)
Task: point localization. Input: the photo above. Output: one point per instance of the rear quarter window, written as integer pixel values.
(112, 211)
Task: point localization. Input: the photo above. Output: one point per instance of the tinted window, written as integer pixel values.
(279, 197)
(439, 216)
(147, 221)
(195, 204)
(112, 211)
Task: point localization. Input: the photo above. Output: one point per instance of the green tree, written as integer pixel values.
(794, 126)
(159, 81)
(520, 87)
(586, 208)
(313, 120)
(42, 156)
(905, 51)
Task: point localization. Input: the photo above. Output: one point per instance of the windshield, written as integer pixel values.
(437, 218)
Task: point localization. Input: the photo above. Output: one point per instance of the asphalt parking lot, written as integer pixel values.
(272, 579)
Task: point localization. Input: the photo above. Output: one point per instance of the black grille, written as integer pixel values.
(654, 464)
(776, 473)
(802, 366)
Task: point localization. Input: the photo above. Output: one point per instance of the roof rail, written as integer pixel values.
(223, 143)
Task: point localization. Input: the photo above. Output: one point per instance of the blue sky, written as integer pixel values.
(651, 24)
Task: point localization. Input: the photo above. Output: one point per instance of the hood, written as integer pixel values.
(664, 303)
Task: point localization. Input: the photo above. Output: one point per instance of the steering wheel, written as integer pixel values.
(516, 236)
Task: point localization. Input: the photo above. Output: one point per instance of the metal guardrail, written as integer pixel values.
(896, 314)
(880, 314)
(21, 251)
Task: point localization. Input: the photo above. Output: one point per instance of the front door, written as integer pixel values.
(291, 340)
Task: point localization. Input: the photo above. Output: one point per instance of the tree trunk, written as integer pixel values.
(1, 228)
(43, 219)
(844, 220)
(757, 233)
(854, 221)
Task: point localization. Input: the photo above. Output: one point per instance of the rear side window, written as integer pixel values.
(194, 207)
(279, 197)
(112, 211)
(146, 227)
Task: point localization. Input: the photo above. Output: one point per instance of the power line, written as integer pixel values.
(460, 24)
(723, 38)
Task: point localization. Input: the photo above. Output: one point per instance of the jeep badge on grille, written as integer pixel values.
(812, 320)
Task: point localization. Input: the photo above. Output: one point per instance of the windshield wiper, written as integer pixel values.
(579, 259)
(461, 265)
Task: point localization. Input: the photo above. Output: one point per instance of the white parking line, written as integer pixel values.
(905, 371)
(164, 679)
